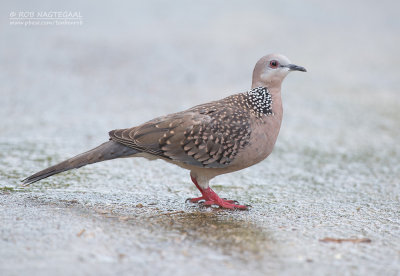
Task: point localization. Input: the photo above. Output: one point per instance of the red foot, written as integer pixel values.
(211, 198)
(196, 199)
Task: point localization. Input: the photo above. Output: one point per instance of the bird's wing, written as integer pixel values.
(208, 135)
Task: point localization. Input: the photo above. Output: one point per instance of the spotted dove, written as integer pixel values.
(209, 139)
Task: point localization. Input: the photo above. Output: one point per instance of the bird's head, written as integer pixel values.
(271, 69)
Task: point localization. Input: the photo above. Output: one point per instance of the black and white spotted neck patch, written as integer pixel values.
(260, 100)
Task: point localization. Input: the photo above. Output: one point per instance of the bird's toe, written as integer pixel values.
(195, 199)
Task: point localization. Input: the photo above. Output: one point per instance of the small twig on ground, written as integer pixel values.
(167, 214)
(365, 240)
(80, 233)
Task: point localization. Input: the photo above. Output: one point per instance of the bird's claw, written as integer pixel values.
(195, 199)
(231, 201)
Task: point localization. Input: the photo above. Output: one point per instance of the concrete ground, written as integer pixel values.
(334, 173)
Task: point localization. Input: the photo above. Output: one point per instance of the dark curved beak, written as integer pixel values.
(294, 67)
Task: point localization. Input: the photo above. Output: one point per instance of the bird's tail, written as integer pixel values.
(106, 151)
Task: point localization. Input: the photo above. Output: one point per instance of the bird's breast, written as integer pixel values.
(264, 133)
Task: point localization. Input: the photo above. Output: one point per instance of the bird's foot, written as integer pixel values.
(227, 204)
(210, 198)
(196, 199)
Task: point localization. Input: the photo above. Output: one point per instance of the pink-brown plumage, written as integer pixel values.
(209, 139)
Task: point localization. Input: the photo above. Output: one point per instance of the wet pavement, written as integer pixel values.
(334, 172)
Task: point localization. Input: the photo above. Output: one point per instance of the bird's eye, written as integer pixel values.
(273, 64)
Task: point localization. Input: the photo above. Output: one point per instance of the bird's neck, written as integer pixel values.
(277, 108)
(259, 100)
(275, 92)
(272, 84)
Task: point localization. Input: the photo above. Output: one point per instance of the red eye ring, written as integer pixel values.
(273, 64)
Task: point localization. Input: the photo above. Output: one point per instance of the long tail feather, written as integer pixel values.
(106, 151)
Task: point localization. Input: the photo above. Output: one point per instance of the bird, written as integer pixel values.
(209, 139)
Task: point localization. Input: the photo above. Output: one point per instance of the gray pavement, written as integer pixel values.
(335, 171)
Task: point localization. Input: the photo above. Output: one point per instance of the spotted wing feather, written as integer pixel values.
(208, 135)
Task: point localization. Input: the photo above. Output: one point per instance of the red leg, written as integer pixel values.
(211, 198)
(197, 199)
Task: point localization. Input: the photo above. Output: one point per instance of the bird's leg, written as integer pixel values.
(211, 198)
(197, 199)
